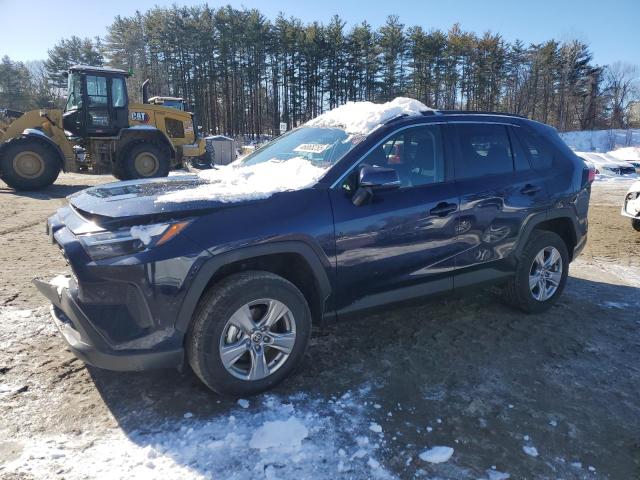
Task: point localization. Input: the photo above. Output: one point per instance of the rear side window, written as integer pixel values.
(540, 155)
(485, 150)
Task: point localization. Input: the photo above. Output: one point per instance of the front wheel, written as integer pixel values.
(635, 223)
(29, 165)
(541, 273)
(249, 332)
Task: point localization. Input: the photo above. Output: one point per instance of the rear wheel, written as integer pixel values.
(143, 160)
(249, 332)
(29, 165)
(541, 273)
(635, 223)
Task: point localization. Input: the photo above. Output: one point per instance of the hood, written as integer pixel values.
(127, 202)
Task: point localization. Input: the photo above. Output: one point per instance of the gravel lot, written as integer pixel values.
(544, 396)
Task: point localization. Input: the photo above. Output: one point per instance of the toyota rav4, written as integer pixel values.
(364, 206)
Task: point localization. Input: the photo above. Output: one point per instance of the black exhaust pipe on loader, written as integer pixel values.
(145, 91)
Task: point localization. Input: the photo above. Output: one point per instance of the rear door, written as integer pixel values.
(401, 244)
(498, 192)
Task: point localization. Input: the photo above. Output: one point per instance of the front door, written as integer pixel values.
(402, 243)
(98, 115)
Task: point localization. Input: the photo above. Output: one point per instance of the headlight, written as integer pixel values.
(126, 241)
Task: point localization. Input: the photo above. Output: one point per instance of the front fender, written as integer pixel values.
(40, 136)
(211, 266)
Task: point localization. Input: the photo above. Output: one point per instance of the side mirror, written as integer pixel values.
(374, 179)
(378, 178)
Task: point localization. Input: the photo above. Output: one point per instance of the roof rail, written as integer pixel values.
(480, 112)
(404, 115)
(397, 117)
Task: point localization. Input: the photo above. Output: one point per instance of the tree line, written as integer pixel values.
(243, 74)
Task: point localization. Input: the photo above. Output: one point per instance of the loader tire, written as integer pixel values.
(29, 165)
(144, 160)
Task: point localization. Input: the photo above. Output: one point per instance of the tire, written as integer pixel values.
(143, 160)
(518, 292)
(635, 223)
(212, 328)
(29, 165)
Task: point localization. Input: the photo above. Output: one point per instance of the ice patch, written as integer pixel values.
(286, 435)
(364, 117)
(529, 450)
(438, 454)
(243, 403)
(374, 427)
(497, 475)
(237, 182)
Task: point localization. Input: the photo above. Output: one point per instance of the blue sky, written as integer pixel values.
(612, 27)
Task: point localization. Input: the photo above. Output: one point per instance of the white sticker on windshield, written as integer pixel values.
(312, 147)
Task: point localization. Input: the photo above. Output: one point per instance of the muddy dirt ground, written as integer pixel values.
(469, 373)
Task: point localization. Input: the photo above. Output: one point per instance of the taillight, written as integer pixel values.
(592, 174)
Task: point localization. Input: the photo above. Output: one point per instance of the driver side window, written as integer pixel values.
(416, 153)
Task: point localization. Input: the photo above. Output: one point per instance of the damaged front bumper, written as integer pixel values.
(87, 343)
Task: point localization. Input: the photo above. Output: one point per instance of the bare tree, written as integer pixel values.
(622, 87)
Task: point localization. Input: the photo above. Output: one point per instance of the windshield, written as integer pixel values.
(173, 104)
(323, 147)
(74, 99)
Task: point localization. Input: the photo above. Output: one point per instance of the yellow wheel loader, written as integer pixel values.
(99, 131)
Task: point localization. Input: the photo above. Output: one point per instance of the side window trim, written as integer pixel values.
(518, 147)
(339, 181)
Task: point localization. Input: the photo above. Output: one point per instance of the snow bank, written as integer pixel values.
(236, 182)
(601, 140)
(364, 117)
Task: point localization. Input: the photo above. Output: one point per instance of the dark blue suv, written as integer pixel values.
(195, 269)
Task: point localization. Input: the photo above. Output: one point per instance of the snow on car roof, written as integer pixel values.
(626, 154)
(365, 117)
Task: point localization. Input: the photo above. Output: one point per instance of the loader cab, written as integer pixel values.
(97, 102)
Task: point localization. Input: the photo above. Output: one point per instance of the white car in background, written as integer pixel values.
(607, 165)
(631, 205)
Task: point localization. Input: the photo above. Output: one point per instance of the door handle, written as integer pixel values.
(443, 209)
(529, 189)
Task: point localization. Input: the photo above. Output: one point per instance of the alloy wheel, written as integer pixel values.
(257, 339)
(545, 273)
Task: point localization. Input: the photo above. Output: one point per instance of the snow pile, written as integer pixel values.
(286, 438)
(364, 117)
(530, 450)
(437, 454)
(601, 140)
(238, 182)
